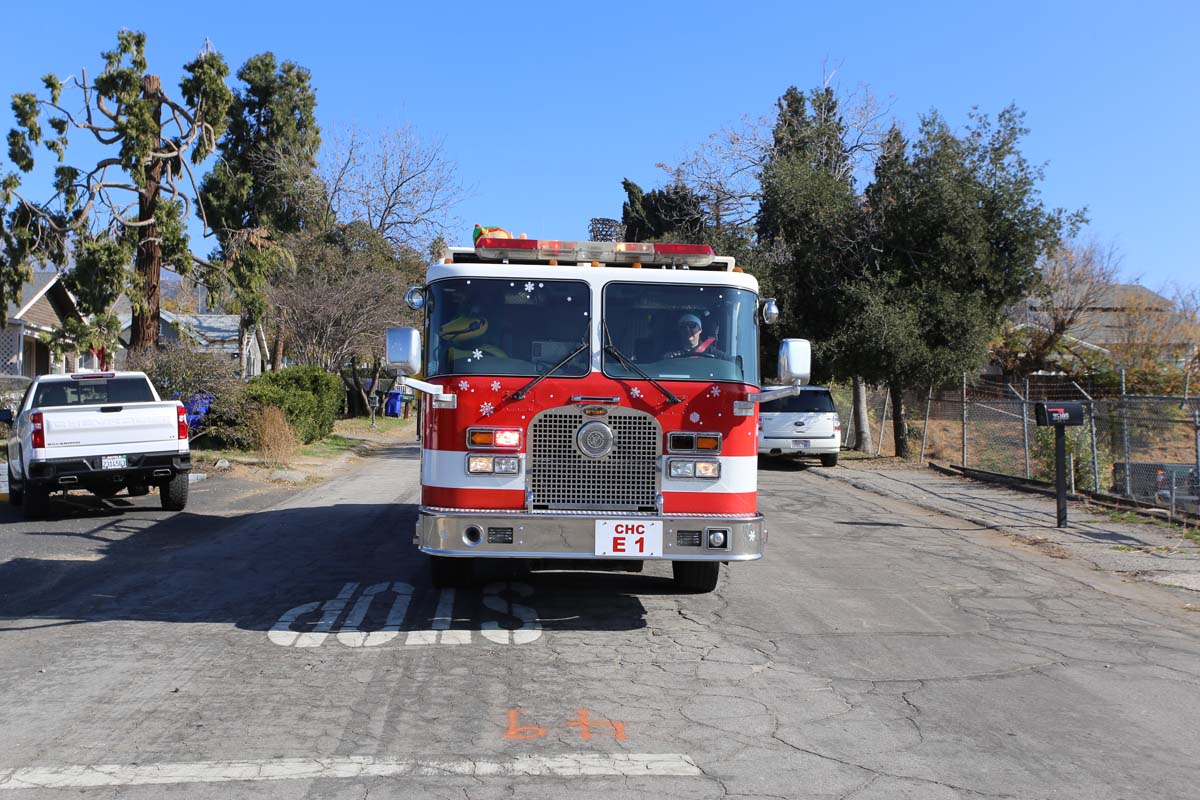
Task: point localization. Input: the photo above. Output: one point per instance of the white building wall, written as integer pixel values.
(10, 349)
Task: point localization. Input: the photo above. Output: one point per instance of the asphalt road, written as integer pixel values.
(296, 649)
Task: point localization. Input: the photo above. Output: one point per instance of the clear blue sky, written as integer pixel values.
(545, 107)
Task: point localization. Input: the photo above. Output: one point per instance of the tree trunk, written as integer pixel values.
(261, 337)
(243, 347)
(144, 330)
(352, 400)
(899, 419)
(362, 392)
(277, 346)
(862, 422)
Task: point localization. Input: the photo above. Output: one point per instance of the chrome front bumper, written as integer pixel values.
(571, 535)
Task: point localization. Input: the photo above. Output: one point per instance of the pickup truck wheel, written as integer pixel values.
(37, 502)
(698, 577)
(15, 495)
(829, 460)
(450, 573)
(174, 493)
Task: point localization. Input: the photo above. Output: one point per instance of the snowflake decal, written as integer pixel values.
(528, 286)
(635, 392)
(752, 536)
(477, 354)
(486, 409)
(716, 391)
(463, 385)
(495, 386)
(694, 417)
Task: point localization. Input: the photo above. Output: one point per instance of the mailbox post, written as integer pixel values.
(1060, 415)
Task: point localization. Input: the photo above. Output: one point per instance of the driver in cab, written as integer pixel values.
(692, 341)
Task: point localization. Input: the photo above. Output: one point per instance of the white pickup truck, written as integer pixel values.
(101, 431)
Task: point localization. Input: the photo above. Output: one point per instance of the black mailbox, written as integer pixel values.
(1058, 413)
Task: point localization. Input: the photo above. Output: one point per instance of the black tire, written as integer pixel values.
(174, 493)
(138, 490)
(450, 573)
(829, 459)
(15, 495)
(37, 502)
(696, 577)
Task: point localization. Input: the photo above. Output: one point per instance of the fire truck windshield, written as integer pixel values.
(506, 326)
(682, 332)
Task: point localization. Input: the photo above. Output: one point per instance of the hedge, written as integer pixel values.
(310, 397)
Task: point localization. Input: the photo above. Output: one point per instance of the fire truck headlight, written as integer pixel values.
(708, 469)
(480, 464)
(682, 468)
(507, 465)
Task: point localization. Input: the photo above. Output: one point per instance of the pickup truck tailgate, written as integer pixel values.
(95, 430)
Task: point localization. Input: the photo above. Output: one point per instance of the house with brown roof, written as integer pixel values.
(43, 308)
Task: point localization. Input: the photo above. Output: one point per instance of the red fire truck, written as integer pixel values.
(590, 401)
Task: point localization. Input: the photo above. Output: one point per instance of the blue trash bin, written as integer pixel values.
(393, 407)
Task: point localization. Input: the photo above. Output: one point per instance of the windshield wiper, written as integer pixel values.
(519, 394)
(611, 348)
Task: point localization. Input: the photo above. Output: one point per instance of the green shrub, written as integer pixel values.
(324, 388)
(300, 407)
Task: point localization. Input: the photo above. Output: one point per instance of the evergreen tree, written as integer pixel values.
(129, 204)
(957, 229)
(673, 212)
(257, 192)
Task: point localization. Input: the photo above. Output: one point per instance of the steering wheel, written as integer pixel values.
(691, 354)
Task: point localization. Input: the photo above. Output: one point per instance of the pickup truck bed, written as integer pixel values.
(98, 431)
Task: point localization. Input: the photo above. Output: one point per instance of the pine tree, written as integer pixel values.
(127, 206)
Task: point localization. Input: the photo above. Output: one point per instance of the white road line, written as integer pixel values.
(571, 765)
(444, 616)
(333, 609)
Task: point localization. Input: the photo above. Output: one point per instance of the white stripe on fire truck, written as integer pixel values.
(448, 469)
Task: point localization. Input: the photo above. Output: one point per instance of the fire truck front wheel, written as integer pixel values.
(450, 573)
(698, 577)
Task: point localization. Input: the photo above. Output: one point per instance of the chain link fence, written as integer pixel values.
(1142, 447)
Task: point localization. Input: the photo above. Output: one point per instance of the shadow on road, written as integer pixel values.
(249, 570)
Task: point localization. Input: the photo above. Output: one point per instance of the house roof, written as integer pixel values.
(207, 329)
(1106, 321)
(31, 290)
(211, 327)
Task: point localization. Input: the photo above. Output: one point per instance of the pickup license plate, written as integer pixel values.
(629, 538)
(801, 443)
(113, 462)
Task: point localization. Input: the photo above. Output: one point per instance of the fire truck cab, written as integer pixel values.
(590, 401)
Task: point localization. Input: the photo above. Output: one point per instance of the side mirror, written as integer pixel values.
(770, 311)
(404, 350)
(6, 416)
(795, 361)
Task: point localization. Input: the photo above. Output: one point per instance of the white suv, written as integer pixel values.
(804, 425)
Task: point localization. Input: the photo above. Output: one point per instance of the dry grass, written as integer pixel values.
(276, 440)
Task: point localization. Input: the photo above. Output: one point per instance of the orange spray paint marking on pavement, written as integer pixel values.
(516, 731)
(584, 724)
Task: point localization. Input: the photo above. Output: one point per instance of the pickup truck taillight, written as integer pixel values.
(183, 426)
(39, 430)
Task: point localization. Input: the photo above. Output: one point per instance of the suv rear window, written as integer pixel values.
(93, 392)
(803, 403)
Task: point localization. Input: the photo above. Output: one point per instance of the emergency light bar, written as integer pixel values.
(690, 255)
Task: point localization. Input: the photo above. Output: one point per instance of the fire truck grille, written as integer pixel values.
(562, 477)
